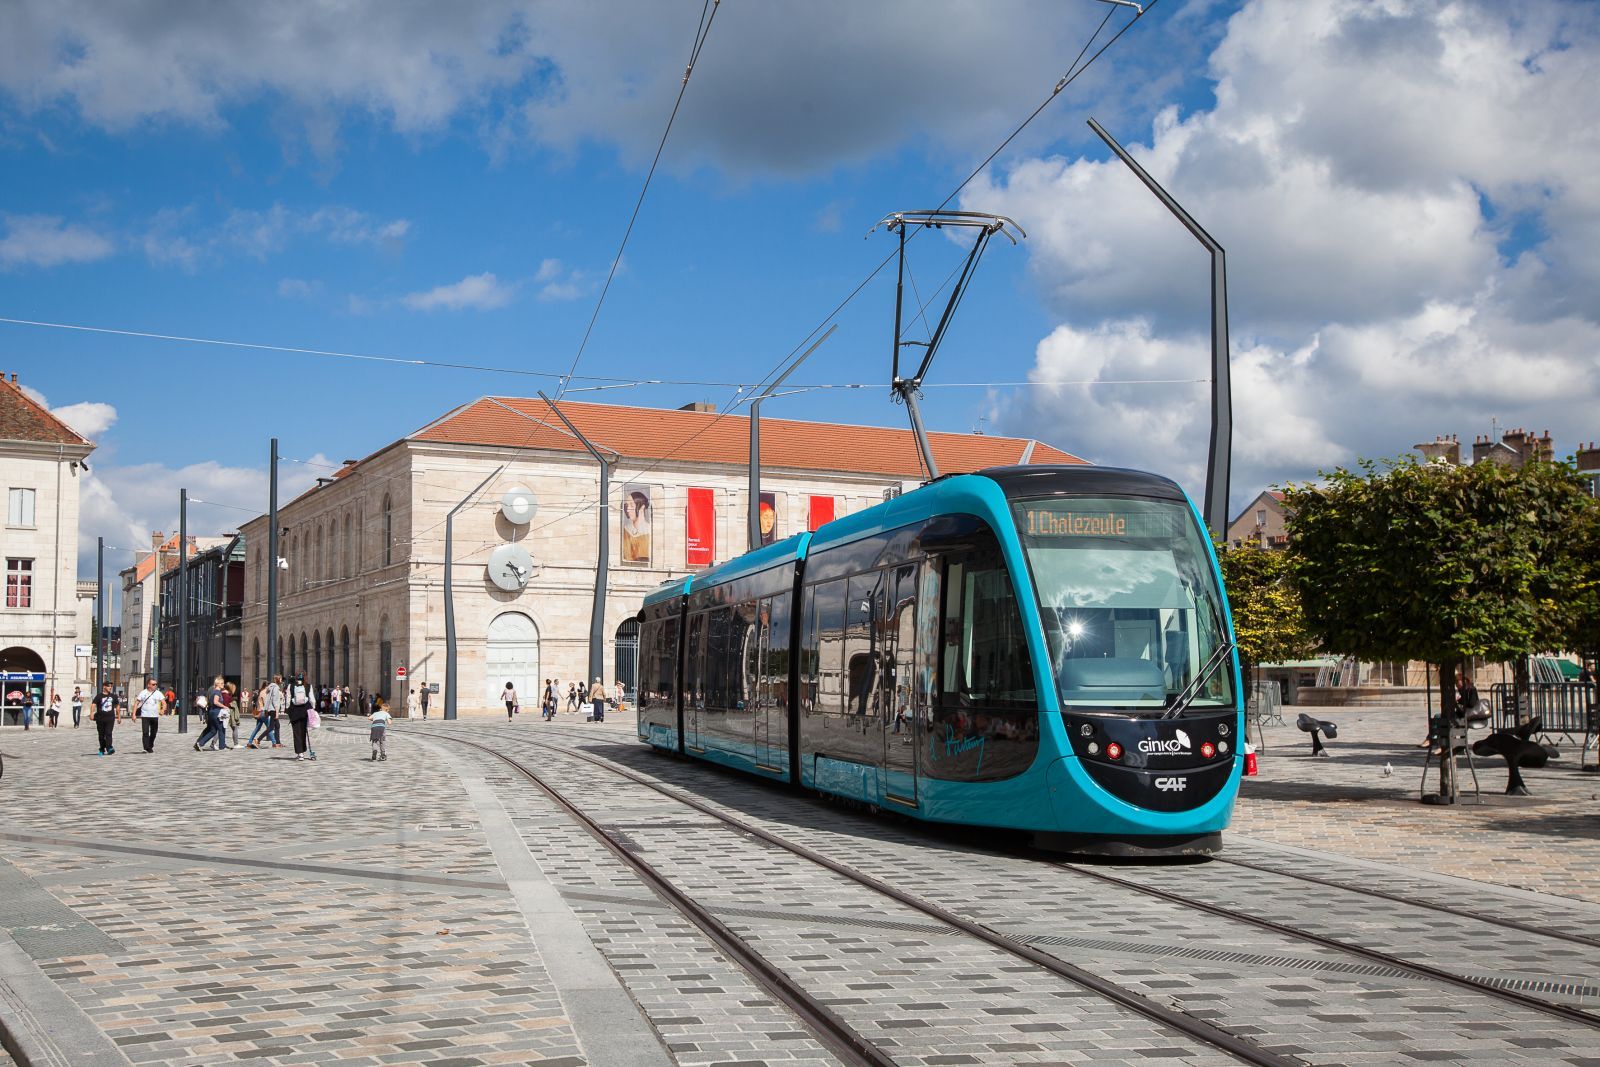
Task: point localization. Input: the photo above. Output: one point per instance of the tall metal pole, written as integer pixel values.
(183, 611)
(1219, 451)
(99, 616)
(755, 437)
(272, 566)
(602, 572)
(450, 596)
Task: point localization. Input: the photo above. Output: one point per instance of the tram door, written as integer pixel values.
(770, 676)
(694, 682)
(902, 696)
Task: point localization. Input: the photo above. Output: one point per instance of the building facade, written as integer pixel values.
(215, 586)
(1261, 523)
(361, 589)
(41, 466)
(141, 606)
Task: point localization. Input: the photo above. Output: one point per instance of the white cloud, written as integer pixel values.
(179, 237)
(779, 87)
(478, 292)
(298, 288)
(47, 241)
(90, 418)
(1374, 170)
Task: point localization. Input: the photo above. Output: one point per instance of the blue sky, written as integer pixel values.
(1403, 187)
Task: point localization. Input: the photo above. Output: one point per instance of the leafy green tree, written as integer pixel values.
(1436, 562)
(1268, 621)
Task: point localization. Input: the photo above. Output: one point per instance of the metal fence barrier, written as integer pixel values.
(1566, 709)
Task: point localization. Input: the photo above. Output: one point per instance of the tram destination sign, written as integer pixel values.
(1062, 520)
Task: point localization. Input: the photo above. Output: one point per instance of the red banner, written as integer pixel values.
(821, 510)
(700, 528)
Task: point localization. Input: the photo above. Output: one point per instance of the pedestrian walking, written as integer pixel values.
(268, 704)
(380, 729)
(597, 700)
(27, 710)
(148, 708)
(509, 695)
(572, 696)
(233, 713)
(202, 708)
(409, 702)
(424, 703)
(336, 702)
(105, 718)
(77, 707)
(618, 693)
(300, 698)
(55, 709)
(546, 700)
(245, 702)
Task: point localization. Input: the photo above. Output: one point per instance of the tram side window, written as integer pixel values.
(776, 664)
(985, 651)
(808, 651)
(694, 682)
(830, 616)
(658, 662)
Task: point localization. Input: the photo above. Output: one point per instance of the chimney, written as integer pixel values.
(700, 405)
(1519, 442)
(1440, 450)
(1589, 458)
(1480, 448)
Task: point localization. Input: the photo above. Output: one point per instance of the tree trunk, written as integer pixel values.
(1447, 718)
(1522, 690)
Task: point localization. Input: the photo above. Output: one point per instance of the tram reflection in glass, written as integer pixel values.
(1044, 649)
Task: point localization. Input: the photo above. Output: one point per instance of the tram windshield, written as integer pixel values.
(1131, 607)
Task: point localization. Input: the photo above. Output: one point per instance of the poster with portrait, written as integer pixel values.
(637, 512)
(768, 517)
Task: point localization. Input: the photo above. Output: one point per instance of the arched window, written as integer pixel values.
(305, 659)
(314, 669)
(255, 663)
(627, 656)
(511, 654)
(388, 530)
(316, 572)
(332, 677)
(344, 648)
(344, 557)
(385, 657)
(361, 538)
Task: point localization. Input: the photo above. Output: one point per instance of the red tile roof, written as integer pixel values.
(23, 418)
(169, 547)
(705, 437)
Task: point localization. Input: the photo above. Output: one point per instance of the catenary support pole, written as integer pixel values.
(183, 611)
(755, 438)
(602, 572)
(450, 596)
(1219, 451)
(99, 615)
(272, 565)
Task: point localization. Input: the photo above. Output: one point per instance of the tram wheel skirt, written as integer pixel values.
(1154, 846)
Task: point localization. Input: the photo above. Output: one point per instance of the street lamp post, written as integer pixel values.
(272, 565)
(183, 611)
(450, 597)
(99, 615)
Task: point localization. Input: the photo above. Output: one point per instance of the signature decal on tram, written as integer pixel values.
(954, 746)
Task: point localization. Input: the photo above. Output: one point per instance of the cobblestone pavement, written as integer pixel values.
(201, 908)
(1547, 843)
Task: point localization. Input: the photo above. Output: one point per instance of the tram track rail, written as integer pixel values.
(1564, 1012)
(829, 1028)
(1429, 905)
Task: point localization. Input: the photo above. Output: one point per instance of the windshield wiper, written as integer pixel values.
(1187, 695)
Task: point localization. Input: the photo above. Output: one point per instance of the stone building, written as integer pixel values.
(1260, 523)
(141, 606)
(215, 585)
(41, 464)
(361, 592)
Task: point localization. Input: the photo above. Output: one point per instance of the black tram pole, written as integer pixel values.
(272, 566)
(450, 596)
(183, 611)
(755, 439)
(602, 572)
(99, 616)
(1219, 451)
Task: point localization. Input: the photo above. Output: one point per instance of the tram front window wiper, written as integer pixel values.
(1187, 695)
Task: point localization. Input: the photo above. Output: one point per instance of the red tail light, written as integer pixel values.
(1207, 749)
(1113, 751)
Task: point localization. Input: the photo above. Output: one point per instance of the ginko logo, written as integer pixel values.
(1179, 742)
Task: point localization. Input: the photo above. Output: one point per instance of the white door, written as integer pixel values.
(512, 655)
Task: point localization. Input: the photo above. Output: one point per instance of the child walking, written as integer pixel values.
(380, 728)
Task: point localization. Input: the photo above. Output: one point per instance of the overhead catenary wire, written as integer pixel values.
(708, 15)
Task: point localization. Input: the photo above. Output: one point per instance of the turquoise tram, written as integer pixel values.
(1041, 649)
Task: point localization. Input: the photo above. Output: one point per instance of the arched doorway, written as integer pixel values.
(511, 654)
(627, 657)
(255, 663)
(316, 677)
(24, 672)
(332, 677)
(344, 657)
(385, 658)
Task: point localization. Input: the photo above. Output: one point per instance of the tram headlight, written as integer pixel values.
(1094, 748)
(1222, 729)
(1222, 747)
(1086, 730)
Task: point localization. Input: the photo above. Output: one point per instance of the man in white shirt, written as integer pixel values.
(148, 706)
